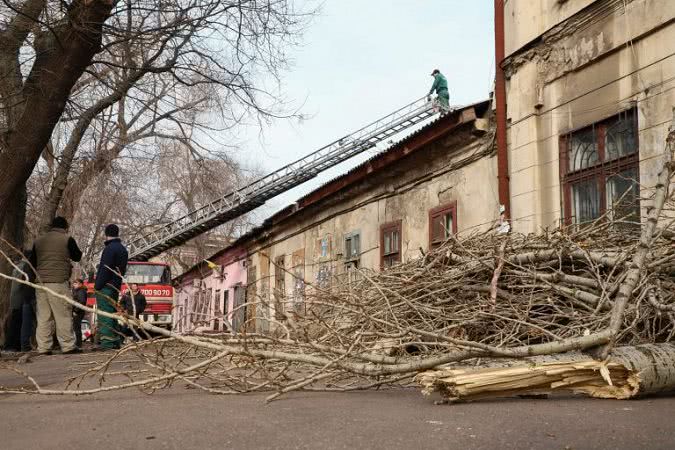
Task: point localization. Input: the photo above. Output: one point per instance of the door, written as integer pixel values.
(239, 310)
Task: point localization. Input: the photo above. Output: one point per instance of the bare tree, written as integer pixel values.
(65, 64)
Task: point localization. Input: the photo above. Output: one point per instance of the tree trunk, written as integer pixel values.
(12, 238)
(47, 90)
(630, 372)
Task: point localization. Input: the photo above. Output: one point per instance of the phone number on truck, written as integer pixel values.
(157, 292)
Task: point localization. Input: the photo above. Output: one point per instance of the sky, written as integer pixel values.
(362, 59)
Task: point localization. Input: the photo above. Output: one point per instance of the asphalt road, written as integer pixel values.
(183, 418)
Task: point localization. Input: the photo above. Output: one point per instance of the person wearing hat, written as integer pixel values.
(441, 87)
(51, 256)
(111, 269)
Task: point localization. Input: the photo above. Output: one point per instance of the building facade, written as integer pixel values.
(394, 207)
(212, 296)
(589, 95)
(590, 87)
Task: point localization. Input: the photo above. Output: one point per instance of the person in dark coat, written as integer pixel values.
(80, 296)
(21, 324)
(137, 306)
(111, 269)
(134, 304)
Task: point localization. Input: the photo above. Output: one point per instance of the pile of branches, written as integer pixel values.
(487, 295)
(483, 296)
(504, 291)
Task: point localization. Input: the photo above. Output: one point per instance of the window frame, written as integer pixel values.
(216, 309)
(601, 171)
(348, 258)
(226, 303)
(279, 286)
(439, 211)
(396, 225)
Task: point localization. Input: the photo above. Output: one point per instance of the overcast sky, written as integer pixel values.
(363, 59)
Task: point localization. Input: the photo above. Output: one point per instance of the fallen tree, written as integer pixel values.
(630, 372)
(482, 296)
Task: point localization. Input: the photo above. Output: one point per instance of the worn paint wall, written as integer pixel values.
(525, 20)
(458, 168)
(605, 59)
(233, 263)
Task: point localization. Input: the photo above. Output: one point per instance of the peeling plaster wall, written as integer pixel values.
(405, 191)
(590, 67)
(525, 20)
(233, 274)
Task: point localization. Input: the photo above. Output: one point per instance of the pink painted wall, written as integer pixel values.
(234, 273)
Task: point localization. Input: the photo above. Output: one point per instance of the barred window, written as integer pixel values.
(600, 171)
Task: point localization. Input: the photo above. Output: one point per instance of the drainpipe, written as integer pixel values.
(500, 98)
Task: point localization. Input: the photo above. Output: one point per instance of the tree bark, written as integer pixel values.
(631, 372)
(47, 89)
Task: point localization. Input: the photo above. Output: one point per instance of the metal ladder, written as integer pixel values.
(249, 197)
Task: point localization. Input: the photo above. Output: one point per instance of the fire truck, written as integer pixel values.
(154, 281)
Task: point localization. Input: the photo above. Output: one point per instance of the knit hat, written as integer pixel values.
(60, 222)
(112, 230)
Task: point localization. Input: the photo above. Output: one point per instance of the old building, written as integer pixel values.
(209, 296)
(439, 180)
(585, 105)
(589, 97)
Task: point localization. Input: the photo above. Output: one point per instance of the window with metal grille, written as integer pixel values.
(599, 168)
(390, 244)
(442, 223)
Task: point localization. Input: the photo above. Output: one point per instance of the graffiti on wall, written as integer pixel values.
(298, 267)
(324, 247)
(323, 276)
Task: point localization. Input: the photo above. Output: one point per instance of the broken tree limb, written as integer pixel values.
(630, 372)
(497, 272)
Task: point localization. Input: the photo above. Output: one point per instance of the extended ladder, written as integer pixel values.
(249, 197)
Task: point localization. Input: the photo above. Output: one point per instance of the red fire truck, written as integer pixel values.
(154, 281)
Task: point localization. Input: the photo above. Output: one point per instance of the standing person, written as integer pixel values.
(111, 269)
(441, 87)
(134, 303)
(28, 307)
(137, 306)
(51, 256)
(22, 308)
(80, 296)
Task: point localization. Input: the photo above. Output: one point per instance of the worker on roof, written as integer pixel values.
(441, 87)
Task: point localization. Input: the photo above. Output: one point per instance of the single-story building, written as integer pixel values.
(440, 179)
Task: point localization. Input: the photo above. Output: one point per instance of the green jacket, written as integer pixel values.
(51, 256)
(440, 84)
